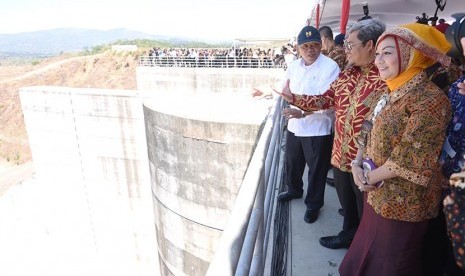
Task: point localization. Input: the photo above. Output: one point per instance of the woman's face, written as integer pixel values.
(387, 59)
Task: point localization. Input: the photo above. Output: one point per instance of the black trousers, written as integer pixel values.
(315, 152)
(351, 200)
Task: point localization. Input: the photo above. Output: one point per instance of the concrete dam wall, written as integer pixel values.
(88, 145)
(197, 167)
(177, 190)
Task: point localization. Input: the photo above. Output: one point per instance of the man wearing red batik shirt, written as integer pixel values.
(353, 95)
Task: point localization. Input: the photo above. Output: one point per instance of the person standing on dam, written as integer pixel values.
(330, 49)
(308, 136)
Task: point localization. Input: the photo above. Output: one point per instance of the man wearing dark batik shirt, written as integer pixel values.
(330, 49)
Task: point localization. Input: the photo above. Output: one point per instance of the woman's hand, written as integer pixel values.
(448, 201)
(461, 87)
(457, 179)
(359, 179)
(357, 173)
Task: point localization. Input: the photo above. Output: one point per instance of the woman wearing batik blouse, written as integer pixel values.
(400, 173)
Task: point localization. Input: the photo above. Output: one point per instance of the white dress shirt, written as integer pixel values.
(313, 79)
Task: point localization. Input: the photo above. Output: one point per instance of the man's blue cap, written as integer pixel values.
(308, 34)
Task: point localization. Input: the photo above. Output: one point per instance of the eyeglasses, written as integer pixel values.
(349, 45)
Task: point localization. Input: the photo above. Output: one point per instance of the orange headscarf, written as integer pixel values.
(418, 46)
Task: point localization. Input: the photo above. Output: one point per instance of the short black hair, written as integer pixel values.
(339, 39)
(326, 31)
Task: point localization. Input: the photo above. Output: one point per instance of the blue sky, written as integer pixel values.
(211, 19)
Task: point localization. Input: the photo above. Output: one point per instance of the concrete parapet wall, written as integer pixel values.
(205, 80)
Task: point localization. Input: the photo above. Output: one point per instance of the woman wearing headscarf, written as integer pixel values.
(400, 174)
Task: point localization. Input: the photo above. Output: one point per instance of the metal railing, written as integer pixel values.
(244, 243)
(210, 62)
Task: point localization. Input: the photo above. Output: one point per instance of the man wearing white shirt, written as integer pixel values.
(309, 137)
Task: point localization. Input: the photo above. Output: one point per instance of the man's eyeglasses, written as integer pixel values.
(349, 45)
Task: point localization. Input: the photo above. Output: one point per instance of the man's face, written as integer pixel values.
(357, 53)
(310, 51)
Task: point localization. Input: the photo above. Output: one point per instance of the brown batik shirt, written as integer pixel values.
(407, 136)
(337, 54)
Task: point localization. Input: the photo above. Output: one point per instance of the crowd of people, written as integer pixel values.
(241, 57)
(395, 109)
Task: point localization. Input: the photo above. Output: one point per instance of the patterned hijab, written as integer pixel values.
(418, 47)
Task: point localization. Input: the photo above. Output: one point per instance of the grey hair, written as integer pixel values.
(368, 29)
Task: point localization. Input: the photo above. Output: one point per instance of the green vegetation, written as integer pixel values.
(144, 43)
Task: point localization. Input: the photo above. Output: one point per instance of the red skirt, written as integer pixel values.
(384, 247)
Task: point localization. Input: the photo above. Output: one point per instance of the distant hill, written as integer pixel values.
(55, 41)
(108, 70)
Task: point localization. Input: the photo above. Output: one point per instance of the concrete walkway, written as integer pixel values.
(307, 256)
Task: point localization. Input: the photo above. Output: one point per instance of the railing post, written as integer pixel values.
(257, 262)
